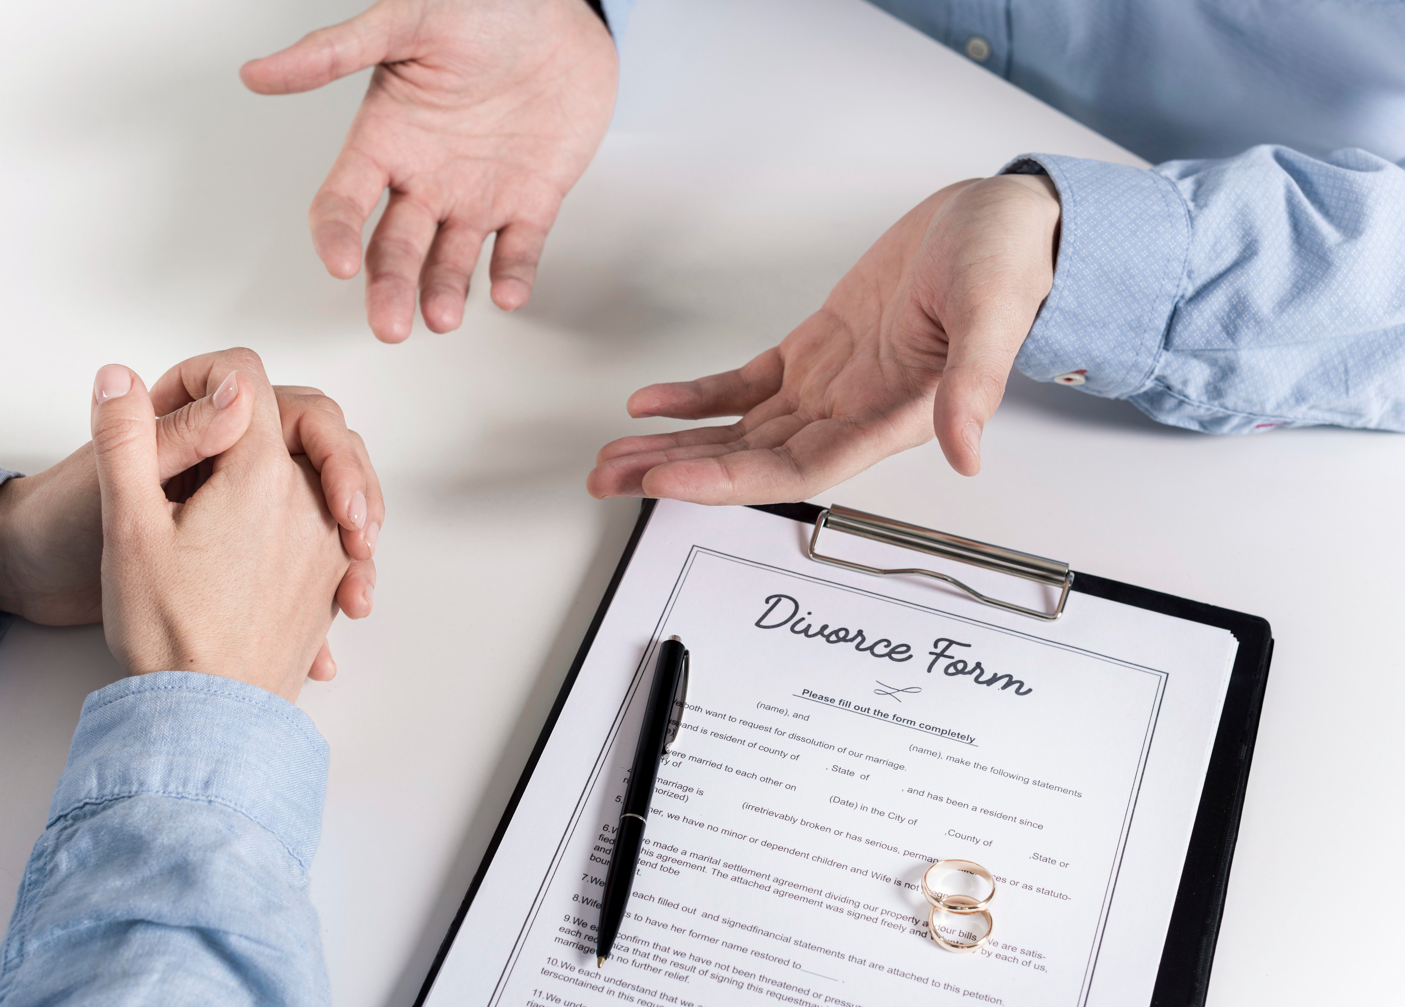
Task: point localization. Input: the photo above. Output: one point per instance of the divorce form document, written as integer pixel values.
(842, 732)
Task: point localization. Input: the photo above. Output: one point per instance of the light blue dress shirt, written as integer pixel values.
(1257, 280)
(174, 866)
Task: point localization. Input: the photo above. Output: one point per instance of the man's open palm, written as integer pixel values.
(480, 116)
(917, 339)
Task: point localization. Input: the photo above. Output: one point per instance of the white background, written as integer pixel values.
(155, 210)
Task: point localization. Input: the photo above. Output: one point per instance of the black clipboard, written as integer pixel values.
(1183, 978)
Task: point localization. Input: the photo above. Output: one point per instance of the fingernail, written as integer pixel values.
(372, 535)
(227, 392)
(370, 595)
(356, 509)
(113, 381)
(971, 434)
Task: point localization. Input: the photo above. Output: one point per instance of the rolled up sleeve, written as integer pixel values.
(1232, 295)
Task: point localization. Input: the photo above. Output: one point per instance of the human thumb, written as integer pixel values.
(124, 446)
(204, 428)
(972, 384)
(323, 56)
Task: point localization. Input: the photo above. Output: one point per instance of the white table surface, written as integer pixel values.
(155, 210)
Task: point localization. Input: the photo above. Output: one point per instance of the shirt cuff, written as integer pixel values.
(1125, 237)
(198, 737)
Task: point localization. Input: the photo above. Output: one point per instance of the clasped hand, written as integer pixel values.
(214, 538)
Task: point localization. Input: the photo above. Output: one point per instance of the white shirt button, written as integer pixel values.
(978, 48)
(1072, 378)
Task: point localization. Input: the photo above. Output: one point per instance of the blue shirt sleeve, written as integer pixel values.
(174, 865)
(1232, 295)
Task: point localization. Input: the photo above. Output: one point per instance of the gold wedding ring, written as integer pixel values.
(961, 905)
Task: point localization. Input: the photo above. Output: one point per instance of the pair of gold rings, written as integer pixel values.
(961, 907)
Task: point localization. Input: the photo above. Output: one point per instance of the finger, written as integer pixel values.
(199, 376)
(340, 208)
(973, 383)
(393, 260)
(184, 383)
(731, 393)
(313, 425)
(774, 407)
(323, 669)
(643, 443)
(624, 475)
(356, 594)
(281, 390)
(203, 375)
(824, 453)
(444, 281)
(513, 270)
(204, 428)
(680, 445)
(621, 465)
(124, 447)
(324, 55)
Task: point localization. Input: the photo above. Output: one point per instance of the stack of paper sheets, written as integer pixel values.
(842, 732)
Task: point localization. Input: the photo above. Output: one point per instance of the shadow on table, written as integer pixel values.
(229, 224)
(515, 462)
(618, 522)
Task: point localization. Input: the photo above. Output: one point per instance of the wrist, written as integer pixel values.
(11, 541)
(1048, 206)
(1041, 185)
(51, 543)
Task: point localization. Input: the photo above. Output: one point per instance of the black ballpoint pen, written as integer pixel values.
(662, 715)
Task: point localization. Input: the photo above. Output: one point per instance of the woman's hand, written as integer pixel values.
(237, 580)
(313, 426)
(51, 522)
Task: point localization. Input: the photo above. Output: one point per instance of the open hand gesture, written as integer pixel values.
(917, 338)
(480, 116)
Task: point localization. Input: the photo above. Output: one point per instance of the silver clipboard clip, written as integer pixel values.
(964, 550)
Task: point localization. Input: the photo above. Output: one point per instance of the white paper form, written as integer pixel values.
(842, 731)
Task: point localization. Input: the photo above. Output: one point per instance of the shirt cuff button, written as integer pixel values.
(978, 48)
(1072, 378)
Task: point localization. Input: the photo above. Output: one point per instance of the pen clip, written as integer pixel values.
(675, 712)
